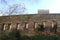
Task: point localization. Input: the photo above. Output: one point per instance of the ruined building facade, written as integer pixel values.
(29, 21)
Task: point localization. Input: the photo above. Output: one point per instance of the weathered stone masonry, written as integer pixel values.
(29, 21)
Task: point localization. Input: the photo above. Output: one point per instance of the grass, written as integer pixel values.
(41, 37)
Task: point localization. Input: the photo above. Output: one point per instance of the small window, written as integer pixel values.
(53, 23)
(3, 26)
(26, 25)
(9, 26)
(44, 24)
(35, 25)
(18, 26)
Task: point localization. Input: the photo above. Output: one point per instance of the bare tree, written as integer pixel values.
(15, 8)
(12, 9)
(4, 1)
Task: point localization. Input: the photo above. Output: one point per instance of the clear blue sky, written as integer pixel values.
(33, 5)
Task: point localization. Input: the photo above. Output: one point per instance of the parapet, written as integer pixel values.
(43, 11)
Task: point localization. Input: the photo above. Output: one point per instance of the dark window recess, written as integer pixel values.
(9, 26)
(17, 26)
(26, 26)
(35, 25)
(3, 26)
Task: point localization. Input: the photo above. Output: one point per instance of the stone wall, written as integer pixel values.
(30, 19)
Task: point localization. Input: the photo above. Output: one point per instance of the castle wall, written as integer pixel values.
(30, 20)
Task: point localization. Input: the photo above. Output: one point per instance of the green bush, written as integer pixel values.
(15, 35)
(41, 37)
(12, 35)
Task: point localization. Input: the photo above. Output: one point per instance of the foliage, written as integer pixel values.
(41, 37)
(15, 35)
(12, 35)
(14, 8)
